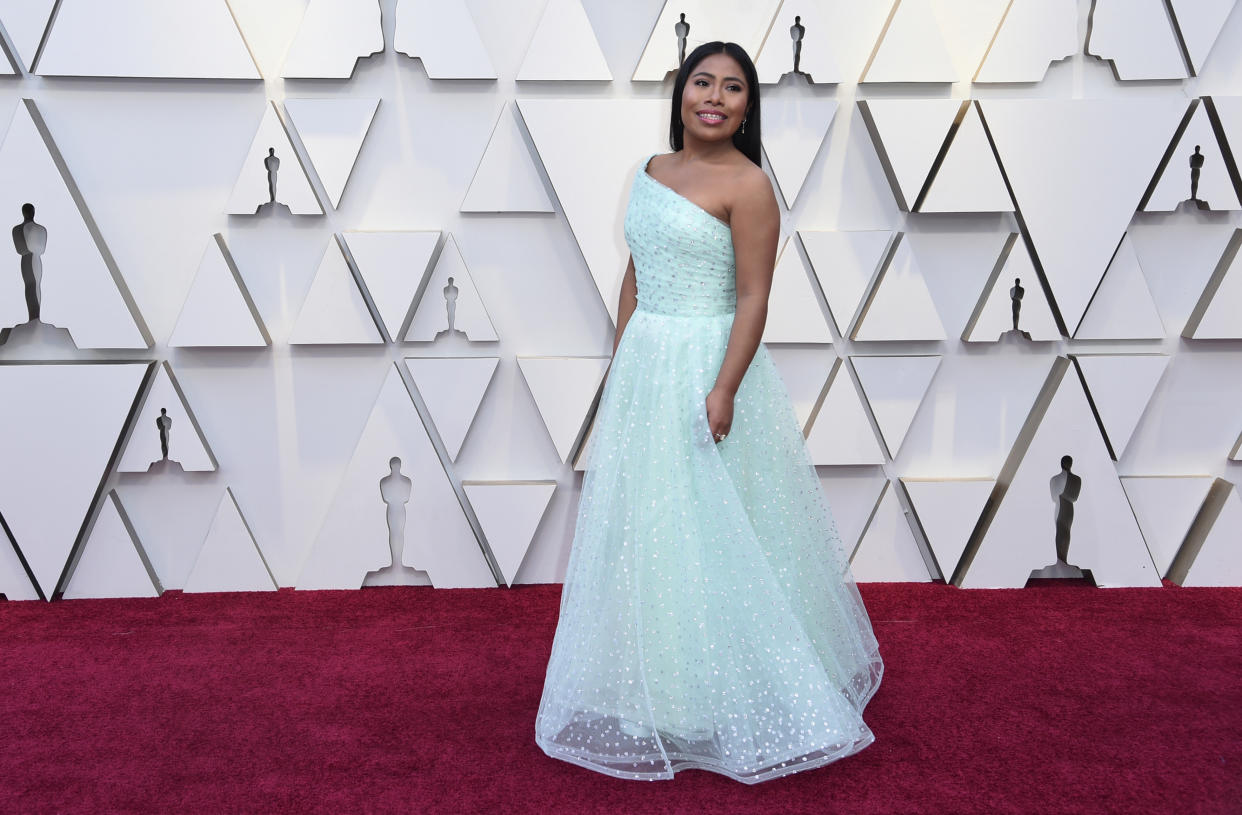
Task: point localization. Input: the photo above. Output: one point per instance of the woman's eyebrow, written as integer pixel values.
(713, 76)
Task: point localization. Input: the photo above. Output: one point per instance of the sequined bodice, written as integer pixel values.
(683, 255)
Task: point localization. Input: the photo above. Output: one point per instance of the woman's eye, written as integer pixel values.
(700, 82)
(735, 88)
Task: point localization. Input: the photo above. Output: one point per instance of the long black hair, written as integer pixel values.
(747, 142)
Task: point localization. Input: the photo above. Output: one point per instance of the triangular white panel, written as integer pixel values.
(895, 387)
(845, 263)
(1137, 36)
(509, 513)
(816, 60)
(186, 444)
(853, 495)
(593, 186)
(25, 21)
(252, 189)
(452, 389)
(744, 22)
(442, 34)
(1101, 149)
(333, 36)
(1120, 386)
(14, 582)
(59, 425)
(900, 307)
(81, 289)
(1166, 506)
(188, 39)
(392, 265)
(888, 552)
(794, 314)
(355, 536)
(1122, 307)
(909, 134)
(332, 131)
(218, 311)
(968, 179)
(1219, 560)
(334, 312)
(1033, 34)
(451, 286)
(112, 563)
(230, 558)
(563, 389)
(1021, 536)
(1199, 21)
(993, 315)
(912, 48)
(840, 432)
(794, 128)
(564, 46)
(1215, 188)
(1218, 314)
(1179, 257)
(507, 179)
(947, 511)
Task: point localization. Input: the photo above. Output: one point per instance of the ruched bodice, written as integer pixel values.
(683, 255)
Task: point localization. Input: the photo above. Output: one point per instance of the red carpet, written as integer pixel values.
(1062, 698)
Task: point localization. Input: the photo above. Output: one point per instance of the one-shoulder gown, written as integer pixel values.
(708, 617)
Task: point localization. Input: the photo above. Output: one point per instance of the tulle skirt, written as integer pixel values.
(708, 617)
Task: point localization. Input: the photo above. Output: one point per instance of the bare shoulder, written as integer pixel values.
(752, 188)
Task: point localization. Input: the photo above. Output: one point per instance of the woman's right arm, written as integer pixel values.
(626, 304)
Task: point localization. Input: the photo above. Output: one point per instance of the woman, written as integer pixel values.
(708, 617)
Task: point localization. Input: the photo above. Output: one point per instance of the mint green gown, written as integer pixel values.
(708, 617)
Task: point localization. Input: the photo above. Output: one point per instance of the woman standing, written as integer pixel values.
(708, 617)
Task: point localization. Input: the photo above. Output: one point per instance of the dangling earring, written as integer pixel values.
(743, 125)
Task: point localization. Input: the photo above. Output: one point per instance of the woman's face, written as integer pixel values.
(713, 102)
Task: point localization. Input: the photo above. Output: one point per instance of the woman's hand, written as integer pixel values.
(719, 413)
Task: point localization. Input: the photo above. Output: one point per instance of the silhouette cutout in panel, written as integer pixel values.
(392, 265)
(846, 264)
(1210, 555)
(14, 581)
(1122, 307)
(968, 178)
(908, 135)
(840, 432)
(355, 536)
(1010, 310)
(166, 431)
(1199, 22)
(452, 389)
(218, 310)
(564, 47)
(451, 305)
(895, 387)
(1194, 172)
(946, 510)
(794, 314)
(25, 21)
(1032, 35)
(261, 187)
(559, 128)
(900, 306)
(333, 36)
(1077, 194)
(395, 490)
(1066, 487)
(189, 39)
(1019, 532)
(1218, 314)
(1137, 37)
(1120, 387)
(1166, 507)
(59, 427)
(112, 563)
(442, 34)
(62, 274)
(912, 47)
(682, 27)
(507, 178)
(794, 130)
(888, 552)
(334, 311)
(332, 131)
(564, 390)
(230, 558)
(807, 54)
(509, 513)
